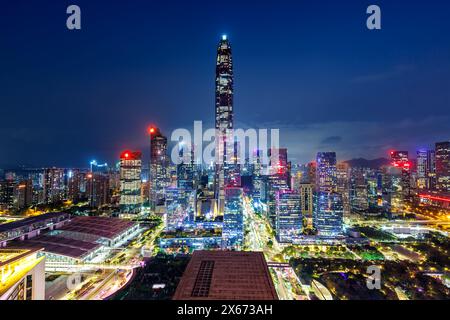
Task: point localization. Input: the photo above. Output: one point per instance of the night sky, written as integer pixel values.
(310, 68)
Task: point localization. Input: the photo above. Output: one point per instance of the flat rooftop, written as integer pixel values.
(99, 226)
(78, 237)
(226, 275)
(31, 220)
(76, 249)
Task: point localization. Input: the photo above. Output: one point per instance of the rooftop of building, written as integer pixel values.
(226, 275)
(8, 256)
(30, 221)
(76, 249)
(104, 227)
(78, 238)
(10, 259)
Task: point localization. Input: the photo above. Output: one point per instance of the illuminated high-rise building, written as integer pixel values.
(329, 217)
(326, 172)
(289, 219)
(23, 194)
(97, 189)
(422, 177)
(359, 202)
(54, 185)
(431, 169)
(306, 191)
(443, 166)
(233, 219)
(400, 160)
(130, 183)
(343, 185)
(7, 194)
(223, 118)
(328, 213)
(256, 174)
(158, 168)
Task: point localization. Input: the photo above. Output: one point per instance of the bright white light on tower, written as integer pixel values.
(224, 37)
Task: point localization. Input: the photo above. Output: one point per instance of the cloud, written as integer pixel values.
(394, 72)
(366, 139)
(331, 140)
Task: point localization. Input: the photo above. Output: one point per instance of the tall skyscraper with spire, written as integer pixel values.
(224, 118)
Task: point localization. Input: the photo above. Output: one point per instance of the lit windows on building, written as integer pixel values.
(289, 219)
(328, 218)
(233, 218)
(443, 166)
(130, 183)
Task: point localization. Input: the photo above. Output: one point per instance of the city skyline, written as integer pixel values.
(307, 71)
(312, 170)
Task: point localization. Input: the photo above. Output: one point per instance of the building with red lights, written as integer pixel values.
(130, 183)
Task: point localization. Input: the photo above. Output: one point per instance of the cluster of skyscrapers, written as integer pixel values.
(298, 200)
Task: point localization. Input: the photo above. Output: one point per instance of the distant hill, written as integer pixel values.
(364, 163)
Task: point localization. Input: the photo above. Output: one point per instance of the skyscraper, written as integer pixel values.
(223, 117)
(233, 218)
(158, 168)
(431, 169)
(306, 199)
(422, 158)
(326, 172)
(443, 166)
(328, 214)
(400, 160)
(54, 186)
(289, 219)
(328, 220)
(130, 183)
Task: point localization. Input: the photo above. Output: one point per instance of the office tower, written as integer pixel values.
(232, 169)
(329, 216)
(311, 172)
(98, 189)
(374, 190)
(343, 184)
(233, 219)
(54, 185)
(326, 175)
(358, 191)
(289, 219)
(306, 191)
(277, 180)
(278, 162)
(23, 194)
(431, 169)
(22, 274)
(130, 183)
(158, 168)
(257, 172)
(422, 158)
(443, 166)
(400, 160)
(223, 118)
